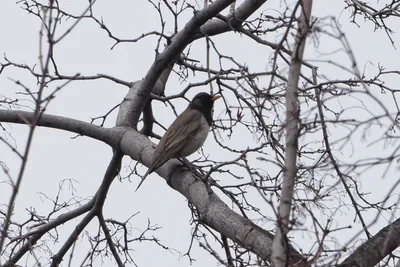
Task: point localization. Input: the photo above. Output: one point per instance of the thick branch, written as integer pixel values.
(213, 211)
(154, 80)
(107, 135)
(217, 26)
(280, 251)
(375, 249)
(179, 42)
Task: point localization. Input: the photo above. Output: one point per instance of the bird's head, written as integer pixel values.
(203, 101)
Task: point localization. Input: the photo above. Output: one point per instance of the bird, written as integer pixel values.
(186, 134)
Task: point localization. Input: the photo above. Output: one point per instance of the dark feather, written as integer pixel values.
(176, 137)
(186, 134)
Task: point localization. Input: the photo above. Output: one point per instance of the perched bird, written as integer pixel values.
(186, 134)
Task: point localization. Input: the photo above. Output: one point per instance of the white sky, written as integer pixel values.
(55, 156)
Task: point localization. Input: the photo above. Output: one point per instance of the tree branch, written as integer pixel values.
(375, 249)
(107, 135)
(178, 43)
(280, 250)
(217, 26)
(213, 211)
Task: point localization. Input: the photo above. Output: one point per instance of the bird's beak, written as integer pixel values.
(215, 97)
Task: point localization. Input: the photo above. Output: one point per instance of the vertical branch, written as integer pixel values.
(49, 27)
(280, 245)
(208, 57)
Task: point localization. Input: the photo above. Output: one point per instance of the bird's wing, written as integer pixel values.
(176, 137)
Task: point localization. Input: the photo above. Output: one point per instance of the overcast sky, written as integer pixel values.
(56, 156)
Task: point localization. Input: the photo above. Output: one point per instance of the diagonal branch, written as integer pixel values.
(178, 43)
(235, 19)
(136, 99)
(212, 210)
(100, 197)
(376, 248)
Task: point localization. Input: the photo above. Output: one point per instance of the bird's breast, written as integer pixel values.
(196, 140)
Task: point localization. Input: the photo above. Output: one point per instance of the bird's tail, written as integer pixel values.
(149, 170)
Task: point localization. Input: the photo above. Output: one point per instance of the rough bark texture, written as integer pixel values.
(375, 249)
(212, 210)
(164, 59)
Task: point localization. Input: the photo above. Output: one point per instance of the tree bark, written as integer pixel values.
(280, 250)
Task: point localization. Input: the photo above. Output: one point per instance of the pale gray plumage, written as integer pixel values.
(186, 134)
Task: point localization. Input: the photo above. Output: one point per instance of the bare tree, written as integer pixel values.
(297, 139)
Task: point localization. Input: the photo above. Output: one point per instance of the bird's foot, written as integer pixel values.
(197, 173)
(193, 168)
